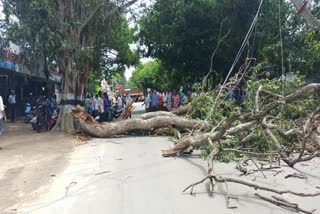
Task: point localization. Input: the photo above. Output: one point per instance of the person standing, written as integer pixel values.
(54, 103)
(88, 104)
(95, 112)
(176, 100)
(182, 95)
(101, 107)
(106, 104)
(48, 107)
(128, 98)
(147, 102)
(169, 100)
(3, 117)
(165, 101)
(160, 101)
(119, 102)
(154, 100)
(12, 106)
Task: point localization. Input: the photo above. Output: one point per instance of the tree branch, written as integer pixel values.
(306, 14)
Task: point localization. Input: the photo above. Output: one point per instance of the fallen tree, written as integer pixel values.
(146, 122)
(274, 123)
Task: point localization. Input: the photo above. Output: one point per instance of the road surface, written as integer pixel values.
(129, 176)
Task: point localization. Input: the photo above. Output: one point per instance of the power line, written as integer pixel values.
(239, 54)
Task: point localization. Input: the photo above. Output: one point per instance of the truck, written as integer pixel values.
(134, 93)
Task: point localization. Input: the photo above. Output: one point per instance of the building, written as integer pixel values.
(26, 82)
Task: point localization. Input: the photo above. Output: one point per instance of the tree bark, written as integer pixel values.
(144, 123)
(302, 9)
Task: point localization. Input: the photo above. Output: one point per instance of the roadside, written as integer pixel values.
(28, 161)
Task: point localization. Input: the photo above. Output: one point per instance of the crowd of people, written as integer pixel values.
(167, 100)
(101, 105)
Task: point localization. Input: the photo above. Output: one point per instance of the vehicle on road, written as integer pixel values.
(134, 93)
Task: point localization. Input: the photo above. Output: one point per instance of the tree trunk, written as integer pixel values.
(146, 122)
(72, 94)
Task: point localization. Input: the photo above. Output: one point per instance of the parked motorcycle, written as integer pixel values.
(53, 120)
(39, 120)
(116, 112)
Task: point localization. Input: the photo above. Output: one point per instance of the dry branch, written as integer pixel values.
(220, 179)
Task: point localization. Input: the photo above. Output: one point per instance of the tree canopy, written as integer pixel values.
(183, 35)
(36, 28)
(149, 75)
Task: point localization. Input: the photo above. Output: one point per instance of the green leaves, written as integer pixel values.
(149, 75)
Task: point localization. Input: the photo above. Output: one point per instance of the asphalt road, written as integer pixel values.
(129, 176)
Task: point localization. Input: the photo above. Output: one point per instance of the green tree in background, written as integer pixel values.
(150, 75)
(183, 34)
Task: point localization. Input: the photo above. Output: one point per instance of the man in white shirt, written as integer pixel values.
(12, 106)
(128, 98)
(119, 102)
(2, 116)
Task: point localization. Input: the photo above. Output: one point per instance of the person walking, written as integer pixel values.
(3, 117)
(12, 106)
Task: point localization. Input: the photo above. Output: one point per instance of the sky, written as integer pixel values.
(146, 3)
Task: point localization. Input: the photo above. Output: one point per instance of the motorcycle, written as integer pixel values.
(116, 112)
(38, 120)
(53, 120)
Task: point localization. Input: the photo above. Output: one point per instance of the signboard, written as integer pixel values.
(7, 65)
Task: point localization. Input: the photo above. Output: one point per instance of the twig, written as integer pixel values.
(296, 175)
(68, 187)
(220, 179)
(228, 197)
(100, 173)
(284, 204)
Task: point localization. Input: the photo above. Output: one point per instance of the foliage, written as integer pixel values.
(286, 116)
(187, 42)
(149, 75)
(183, 35)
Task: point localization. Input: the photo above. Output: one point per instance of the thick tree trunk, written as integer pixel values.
(146, 122)
(72, 94)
